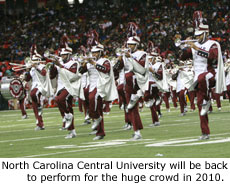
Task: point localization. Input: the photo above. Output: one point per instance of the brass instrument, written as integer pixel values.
(50, 56)
(83, 58)
(179, 42)
(28, 64)
(121, 51)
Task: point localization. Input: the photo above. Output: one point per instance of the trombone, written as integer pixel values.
(28, 64)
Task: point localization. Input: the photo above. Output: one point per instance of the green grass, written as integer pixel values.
(18, 138)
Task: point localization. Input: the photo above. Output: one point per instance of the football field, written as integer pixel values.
(176, 137)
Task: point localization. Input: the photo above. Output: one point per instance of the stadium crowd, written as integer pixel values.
(158, 22)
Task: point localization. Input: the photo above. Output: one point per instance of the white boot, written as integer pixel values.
(205, 107)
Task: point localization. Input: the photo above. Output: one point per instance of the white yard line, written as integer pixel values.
(120, 145)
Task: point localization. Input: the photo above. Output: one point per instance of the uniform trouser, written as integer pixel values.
(80, 104)
(182, 100)
(192, 95)
(158, 107)
(216, 96)
(64, 101)
(36, 102)
(122, 100)
(152, 93)
(106, 106)
(174, 98)
(121, 94)
(22, 105)
(96, 110)
(166, 99)
(131, 87)
(228, 91)
(85, 102)
(205, 81)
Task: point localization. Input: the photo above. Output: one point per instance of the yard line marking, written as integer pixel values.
(131, 143)
(80, 150)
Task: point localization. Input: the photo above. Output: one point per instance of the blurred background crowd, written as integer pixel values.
(159, 20)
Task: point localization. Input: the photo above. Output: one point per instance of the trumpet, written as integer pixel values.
(82, 58)
(179, 42)
(121, 51)
(50, 56)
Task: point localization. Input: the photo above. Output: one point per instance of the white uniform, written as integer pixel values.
(37, 78)
(201, 58)
(106, 86)
(141, 73)
(68, 80)
(93, 76)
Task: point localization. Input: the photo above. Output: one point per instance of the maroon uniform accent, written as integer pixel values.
(106, 105)
(216, 96)
(105, 68)
(174, 97)
(182, 100)
(64, 101)
(228, 92)
(96, 113)
(142, 60)
(86, 101)
(36, 102)
(152, 93)
(22, 104)
(80, 104)
(166, 96)
(192, 95)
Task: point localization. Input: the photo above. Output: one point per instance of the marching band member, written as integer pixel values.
(36, 73)
(68, 85)
(171, 82)
(119, 72)
(151, 96)
(102, 85)
(85, 87)
(136, 78)
(206, 55)
(85, 103)
(181, 90)
(22, 101)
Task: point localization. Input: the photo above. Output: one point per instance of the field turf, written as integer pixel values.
(176, 137)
